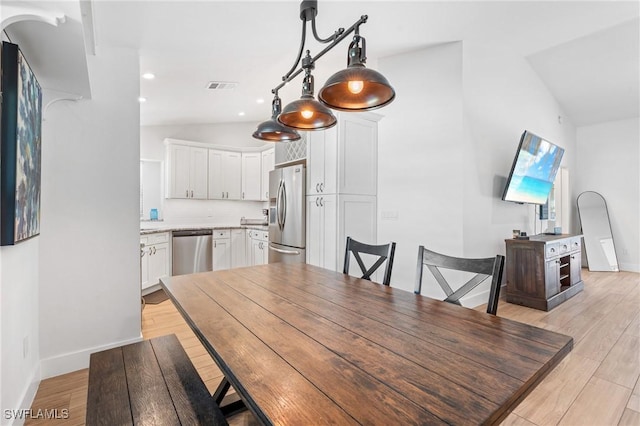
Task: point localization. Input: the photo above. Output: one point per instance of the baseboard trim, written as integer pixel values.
(74, 361)
(629, 267)
(27, 399)
(478, 299)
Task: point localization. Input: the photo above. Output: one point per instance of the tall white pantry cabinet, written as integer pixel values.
(342, 178)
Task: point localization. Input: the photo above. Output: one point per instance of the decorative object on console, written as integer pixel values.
(20, 153)
(354, 89)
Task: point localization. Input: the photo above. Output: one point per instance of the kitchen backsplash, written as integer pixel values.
(214, 211)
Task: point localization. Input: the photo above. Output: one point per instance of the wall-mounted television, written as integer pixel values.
(533, 171)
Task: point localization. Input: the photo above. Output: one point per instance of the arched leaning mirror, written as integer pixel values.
(596, 229)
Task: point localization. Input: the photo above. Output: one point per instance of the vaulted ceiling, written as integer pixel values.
(586, 52)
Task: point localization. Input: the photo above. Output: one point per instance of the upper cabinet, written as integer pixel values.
(251, 175)
(187, 172)
(344, 159)
(225, 175)
(268, 164)
(201, 171)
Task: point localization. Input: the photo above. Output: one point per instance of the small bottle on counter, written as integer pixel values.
(153, 214)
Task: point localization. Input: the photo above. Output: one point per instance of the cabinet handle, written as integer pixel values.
(552, 250)
(321, 205)
(322, 187)
(573, 257)
(243, 195)
(215, 244)
(192, 193)
(558, 262)
(222, 196)
(186, 193)
(317, 187)
(154, 249)
(317, 199)
(227, 194)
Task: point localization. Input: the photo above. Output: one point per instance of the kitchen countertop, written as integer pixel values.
(155, 227)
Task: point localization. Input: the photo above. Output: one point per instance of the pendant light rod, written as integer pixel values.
(337, 40)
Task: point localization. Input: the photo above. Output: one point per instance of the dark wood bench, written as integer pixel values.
(149, 382)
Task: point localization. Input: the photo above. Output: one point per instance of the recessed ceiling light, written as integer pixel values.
(142, 99)
(260, 100)
(241, 113)
(148, 76)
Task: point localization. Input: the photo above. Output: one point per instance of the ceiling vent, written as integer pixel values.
(221, 85)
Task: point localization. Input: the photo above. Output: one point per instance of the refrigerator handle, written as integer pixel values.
(284, 204)
(279, 205)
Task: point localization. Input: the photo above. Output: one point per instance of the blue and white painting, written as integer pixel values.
(28, 153)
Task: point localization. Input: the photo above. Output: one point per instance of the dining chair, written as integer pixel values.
(385, 252)
(483, 268)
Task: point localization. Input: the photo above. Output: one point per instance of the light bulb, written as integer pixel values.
(306, 113)
(355, 86)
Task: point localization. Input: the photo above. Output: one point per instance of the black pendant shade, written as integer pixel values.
(356, 88)
(307, 114)
(271, 130)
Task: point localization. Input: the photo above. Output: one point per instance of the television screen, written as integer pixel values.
(534, 170)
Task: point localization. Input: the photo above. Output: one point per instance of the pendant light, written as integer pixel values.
(356, 88)
(271, 130)
(306, 113)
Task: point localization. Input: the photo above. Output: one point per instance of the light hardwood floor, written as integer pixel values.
(596, 384)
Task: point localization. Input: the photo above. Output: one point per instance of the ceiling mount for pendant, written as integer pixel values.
(355, 88)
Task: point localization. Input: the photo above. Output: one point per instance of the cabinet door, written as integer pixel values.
(357, 218)
(179, 162)
(221, 254)
(358, 156)
(251, 176)
(268, 163)
(321, 231)
(216, 175)
(158, 263)
(256, 252)
(552, 278)
(144, 268)
(238, 248)
(233, 175)
(575, 267)
(198, 173)
(321, 162)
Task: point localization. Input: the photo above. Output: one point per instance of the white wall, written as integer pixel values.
(89, 267)
(446, 147)
(420, 158)
(19, 318)
(609, 163)
(209, 211)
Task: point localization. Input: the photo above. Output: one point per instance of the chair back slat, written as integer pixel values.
(483, 268)
(384, 252)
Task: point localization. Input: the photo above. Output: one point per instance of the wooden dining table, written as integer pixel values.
(302, 345)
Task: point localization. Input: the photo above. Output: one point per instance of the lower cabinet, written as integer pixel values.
(238, 248)
(331, 219)
(221, 249)
(155, 258)
(544, 270)
(257, 247)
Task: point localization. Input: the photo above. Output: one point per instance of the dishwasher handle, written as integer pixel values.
(192, 233)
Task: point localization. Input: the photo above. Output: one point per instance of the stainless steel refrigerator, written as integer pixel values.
(287, 215)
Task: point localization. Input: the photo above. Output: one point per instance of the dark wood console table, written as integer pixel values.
(544, 270)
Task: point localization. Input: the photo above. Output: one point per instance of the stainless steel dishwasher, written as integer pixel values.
(192, 252)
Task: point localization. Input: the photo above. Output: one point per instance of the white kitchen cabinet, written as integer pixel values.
(187, 172)
(238, 248)
(221, 249)
(251, 176)
(258, 247)
(268, 164)
(225, 175)
(322, 231)
(155, 263)
(344, 159)
(342, 178)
